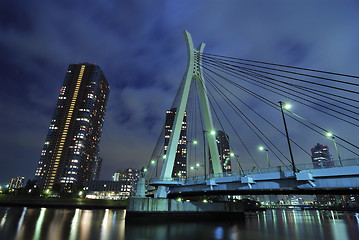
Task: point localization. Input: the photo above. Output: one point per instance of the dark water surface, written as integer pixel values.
(62, 224)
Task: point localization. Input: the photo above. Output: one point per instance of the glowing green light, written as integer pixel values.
(260, 148)
(192, 168)
(80, 193)
(145, 169)
(178, 199)
(213, 132)
(287, 106)
(164, 157)
(153, 162)
(232, 154)
(329, 134)
(197, 164)
(204, 200)
(195, 142)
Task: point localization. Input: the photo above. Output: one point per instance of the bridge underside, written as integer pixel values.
(338, 181)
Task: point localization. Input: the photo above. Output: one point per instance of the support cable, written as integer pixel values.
(222, 127)
(288, 96)
(281, 70)
(260, 116)
(254, 74)
(237, 111)
(315, 92)
(281, 65)
(273, 105)
(292, 78)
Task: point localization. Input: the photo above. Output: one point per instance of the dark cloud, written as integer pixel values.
(140, 47)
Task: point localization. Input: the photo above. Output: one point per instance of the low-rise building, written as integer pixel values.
(16, 182)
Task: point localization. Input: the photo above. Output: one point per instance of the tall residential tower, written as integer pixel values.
(180, 164)
(224, 152)
(72, 143)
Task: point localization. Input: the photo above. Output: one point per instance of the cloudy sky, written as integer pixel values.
(140, 47)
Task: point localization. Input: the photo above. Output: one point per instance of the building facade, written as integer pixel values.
(16, 182)
(321, 157)
(72, 143)
(224, 152)
(180, 164)
(97, 168)
(122, 186)
(128, 176)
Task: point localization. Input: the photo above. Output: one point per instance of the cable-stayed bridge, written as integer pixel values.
(226, 107)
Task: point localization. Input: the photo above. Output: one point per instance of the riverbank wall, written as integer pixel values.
(172, 209)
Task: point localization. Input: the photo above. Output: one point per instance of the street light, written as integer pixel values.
(261, 148)
(195, 168)
(194, 142)
(287, 107)
(331, 135)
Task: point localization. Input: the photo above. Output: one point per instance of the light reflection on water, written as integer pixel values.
(72, 224)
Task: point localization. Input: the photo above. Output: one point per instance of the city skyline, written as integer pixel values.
(140, 48)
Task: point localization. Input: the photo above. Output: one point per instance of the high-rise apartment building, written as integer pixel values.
(72, 143)
(224, 152)
(180, 164)
(321, 157)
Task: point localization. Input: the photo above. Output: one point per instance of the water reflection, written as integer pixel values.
(39, 222)
(56, 224)
(74, 225)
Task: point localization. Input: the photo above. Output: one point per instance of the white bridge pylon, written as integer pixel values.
(194, 70)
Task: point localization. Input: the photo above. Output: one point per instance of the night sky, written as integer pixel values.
(140, 47)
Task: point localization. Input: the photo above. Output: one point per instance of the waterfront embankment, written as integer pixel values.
(83, 203)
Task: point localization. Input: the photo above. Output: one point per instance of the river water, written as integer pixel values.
(101, 224)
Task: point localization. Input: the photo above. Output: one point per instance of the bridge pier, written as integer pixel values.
(162, 208)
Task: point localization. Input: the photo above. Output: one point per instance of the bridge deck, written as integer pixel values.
(306, 181)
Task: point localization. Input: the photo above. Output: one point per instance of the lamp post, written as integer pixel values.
(240, 169)
(194, 142)
(196, 169)
(204, 151)
(287, 107)
(261, 148)
(329, 134)
(154, 162)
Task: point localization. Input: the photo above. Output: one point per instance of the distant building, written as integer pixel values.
(122, 186)
(321, 157)
(72, 143)
(130, 177)
(97, 168)
(104, 189)
(224, 152)
(180, 164)
(327, 199)
(16, 182)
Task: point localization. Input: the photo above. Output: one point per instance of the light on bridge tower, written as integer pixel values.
(194, 70)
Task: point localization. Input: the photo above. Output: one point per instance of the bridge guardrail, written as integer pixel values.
(242, 173)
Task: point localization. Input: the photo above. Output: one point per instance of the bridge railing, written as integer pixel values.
(242, 173)
(331, 164)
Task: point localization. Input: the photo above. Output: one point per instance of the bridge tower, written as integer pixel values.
(194, 70)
